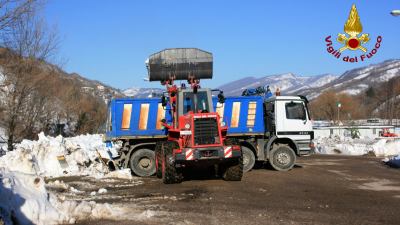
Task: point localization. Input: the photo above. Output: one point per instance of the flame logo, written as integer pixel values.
(353, 25)
(353, 28)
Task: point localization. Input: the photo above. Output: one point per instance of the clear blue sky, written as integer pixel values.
(109, 40)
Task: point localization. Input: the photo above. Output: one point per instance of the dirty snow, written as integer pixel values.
(41, 157)
(363, 146)
(23, 192)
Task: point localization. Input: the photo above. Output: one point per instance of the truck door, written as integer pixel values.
(292, 120)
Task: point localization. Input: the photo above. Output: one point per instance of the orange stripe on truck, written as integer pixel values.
(235, 114)
(160, 116)
(144, 116)
(126, 116)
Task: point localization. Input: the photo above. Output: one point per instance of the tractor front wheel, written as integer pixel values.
(158, 160)
(170, 174)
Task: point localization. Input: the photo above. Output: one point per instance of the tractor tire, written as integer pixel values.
(233, 171)
(142, 163)
(282, 157)
(249, 159)
(158, 153)
(170, 174)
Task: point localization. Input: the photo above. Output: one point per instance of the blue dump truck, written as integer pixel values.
(276, 129)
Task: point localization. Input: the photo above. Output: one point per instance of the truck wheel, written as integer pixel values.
(233, 171)
(142, 162)
(282, 158)
(158, 159)
(248, 159)
(170, 174)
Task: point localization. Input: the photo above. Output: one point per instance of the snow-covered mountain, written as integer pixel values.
(358, 80)
(288, 83)
(138, 92)
(351, 82)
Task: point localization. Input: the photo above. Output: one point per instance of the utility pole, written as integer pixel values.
(338, 116)
(339, 105)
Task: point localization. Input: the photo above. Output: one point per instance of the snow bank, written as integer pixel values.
(23, 195)
(362, 146)
(54, 157)
(24, 198)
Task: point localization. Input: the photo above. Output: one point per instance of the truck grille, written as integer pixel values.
(205, 131)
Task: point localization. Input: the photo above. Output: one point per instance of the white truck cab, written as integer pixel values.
(292, 120)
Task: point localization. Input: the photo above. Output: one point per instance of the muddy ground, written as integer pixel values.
(319, 190)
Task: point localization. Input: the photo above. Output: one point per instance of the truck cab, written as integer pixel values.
(276, 129)
(287, 117)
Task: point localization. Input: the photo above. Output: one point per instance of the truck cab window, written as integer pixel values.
(295, 111)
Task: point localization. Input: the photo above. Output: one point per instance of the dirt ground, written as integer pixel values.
(319, 190)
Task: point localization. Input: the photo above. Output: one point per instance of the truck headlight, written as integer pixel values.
(187, 126)
(223, 124)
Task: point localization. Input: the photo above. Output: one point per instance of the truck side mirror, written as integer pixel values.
(221, 97)
(163, 101)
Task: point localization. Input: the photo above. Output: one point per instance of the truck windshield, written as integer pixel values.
(190, 99)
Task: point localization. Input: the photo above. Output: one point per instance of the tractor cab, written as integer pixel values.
(190, 101)
(195, 113)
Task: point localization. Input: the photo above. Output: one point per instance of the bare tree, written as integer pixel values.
(28, 43)
(11, 11)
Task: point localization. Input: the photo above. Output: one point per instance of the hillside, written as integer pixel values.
(355, 81)
(48, 99)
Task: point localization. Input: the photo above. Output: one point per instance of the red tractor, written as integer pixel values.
(196, 136)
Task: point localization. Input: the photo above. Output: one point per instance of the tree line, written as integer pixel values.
(379, 101)
(36, 95)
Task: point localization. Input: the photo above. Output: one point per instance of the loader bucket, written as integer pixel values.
(180, 64)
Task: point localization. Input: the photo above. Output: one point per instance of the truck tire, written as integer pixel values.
(233, 171)
(170, 174)
(142, 162)
(158, 153)
(282, 157)
(249, 159)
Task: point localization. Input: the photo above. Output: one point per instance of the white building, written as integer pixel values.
(372, 131)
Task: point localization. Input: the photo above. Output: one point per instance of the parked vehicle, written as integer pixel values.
(164, 136)
(274, 129)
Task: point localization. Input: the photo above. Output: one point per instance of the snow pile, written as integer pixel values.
(23, 195)
(24, 200)
(54, 157)
(362, 146)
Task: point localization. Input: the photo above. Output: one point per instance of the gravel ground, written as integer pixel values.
(319, 190)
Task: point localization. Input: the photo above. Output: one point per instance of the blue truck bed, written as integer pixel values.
(140, 118)
(242, 115)
(136, 118)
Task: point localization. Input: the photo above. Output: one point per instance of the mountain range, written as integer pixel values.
(351, 82)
